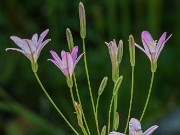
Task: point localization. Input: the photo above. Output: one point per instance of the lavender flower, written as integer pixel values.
(31, 48)
(152, 48)
(68, 61)
(135, 129)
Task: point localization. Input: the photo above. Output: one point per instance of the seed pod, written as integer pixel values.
(102, 85)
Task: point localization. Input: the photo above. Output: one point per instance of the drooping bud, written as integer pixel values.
(132, 50)
(69, 39)
(120, 51)
(117, 85)
(102, 85)
(82, 17)
(103, 132)
(116, 125)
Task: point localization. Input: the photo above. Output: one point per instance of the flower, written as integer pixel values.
(116, 53)
(152, 48)
(68, 61)
(31, 48)
(135, 129)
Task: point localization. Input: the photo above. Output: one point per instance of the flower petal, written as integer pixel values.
(21, 43)
(78, 59)
(115, 133)
(35, 39)
(21, 51)
(150, 130)
(70, 63)
(146, 52)
(134, 125)
(42, 36)
(56, 58)
(74, 53)
(161, 40)
(161, 47)
(147, 36)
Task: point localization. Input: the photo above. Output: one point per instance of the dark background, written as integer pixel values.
(24, 109)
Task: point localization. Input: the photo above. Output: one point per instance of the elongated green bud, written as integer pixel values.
(132, 50)
(120, 51)
(116, 121)
(102, 85)
(69, 39)
(103, 132)
(117, 85)
(82, 17)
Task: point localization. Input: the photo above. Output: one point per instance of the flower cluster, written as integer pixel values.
(32, 48)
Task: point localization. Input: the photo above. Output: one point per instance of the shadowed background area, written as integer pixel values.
(24, 109)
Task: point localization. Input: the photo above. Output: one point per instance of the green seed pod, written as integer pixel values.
(102, 85)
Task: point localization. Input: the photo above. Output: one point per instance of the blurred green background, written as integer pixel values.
(24, 109)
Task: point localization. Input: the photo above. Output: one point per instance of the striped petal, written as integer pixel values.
(150, 130)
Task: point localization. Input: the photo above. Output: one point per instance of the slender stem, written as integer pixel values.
(89, 85)
(147, 100)
(115, 109)
(131, 99)
(109, 116)
(52, 102)
(97, 104)
(79, 100)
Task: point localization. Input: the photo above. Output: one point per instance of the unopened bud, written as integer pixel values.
(120, 51)
(117, 85)
(102, 85)
(103, 132)
(132, 50)
(82, 17)
(69, 39)
(116, 125)
(78, 113)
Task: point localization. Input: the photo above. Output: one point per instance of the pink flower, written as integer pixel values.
(68, 61)
(30, 48)
(135, 129)
(152, 48)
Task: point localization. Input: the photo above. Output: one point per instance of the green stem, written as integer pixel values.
(52, 102)
(131, 98)
(147, 100)
(89, 85)
(115, 109)
(79, 100)
(109, 116)
(97, 104)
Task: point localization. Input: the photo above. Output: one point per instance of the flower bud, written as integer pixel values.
(117, 85)
(120, 51)
(82, 17)
(69, 39)
(103, 132)
(132, 50)
(102, 85)
(116, 121)
(79, 113)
